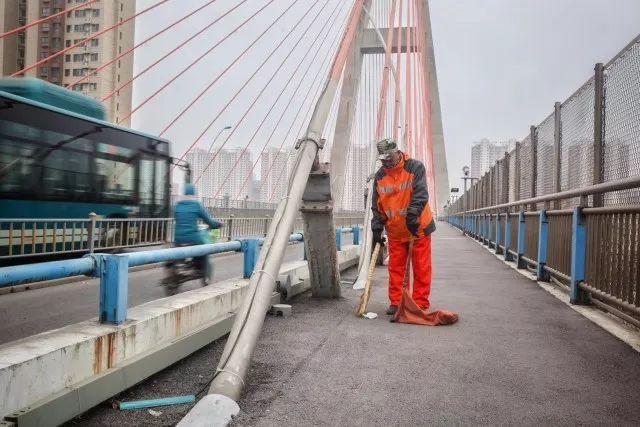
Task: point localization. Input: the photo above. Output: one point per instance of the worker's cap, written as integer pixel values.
(189, 190)
(386, 148)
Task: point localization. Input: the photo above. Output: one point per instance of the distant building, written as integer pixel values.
(275, 166)
(358, 169)
(40, 41)
(485, 153)
(221, 175)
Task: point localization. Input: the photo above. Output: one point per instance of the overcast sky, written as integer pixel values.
(501, 64)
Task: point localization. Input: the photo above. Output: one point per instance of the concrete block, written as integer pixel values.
(283, 310)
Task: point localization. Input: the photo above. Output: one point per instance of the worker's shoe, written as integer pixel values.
(392, 310)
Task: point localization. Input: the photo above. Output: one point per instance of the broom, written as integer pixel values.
(364, 298)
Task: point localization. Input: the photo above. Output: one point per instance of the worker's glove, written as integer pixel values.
(413, 222)
(378, 237)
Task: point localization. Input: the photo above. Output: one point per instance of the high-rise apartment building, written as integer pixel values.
(358, 170)
(223, 174)
(275, 166)
(485, 153)
(41, 41)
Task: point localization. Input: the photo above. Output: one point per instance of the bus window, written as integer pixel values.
(115, 172)
(146, 185)
(161, 190)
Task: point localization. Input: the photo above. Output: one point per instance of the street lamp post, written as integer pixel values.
(217, 136)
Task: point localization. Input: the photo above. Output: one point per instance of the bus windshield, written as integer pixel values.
(50, 156)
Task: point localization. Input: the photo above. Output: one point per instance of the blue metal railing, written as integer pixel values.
(113, 269)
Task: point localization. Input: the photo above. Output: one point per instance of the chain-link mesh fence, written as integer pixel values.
(513, 176)
(545, 166)
(621, 151)
(526, 170)
(576, 147)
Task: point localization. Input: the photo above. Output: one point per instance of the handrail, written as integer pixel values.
(605, 187)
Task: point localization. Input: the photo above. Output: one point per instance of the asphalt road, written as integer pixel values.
(27, 313)
(518, 356)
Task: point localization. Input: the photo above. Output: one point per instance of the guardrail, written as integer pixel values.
(27, 237)
(113, 269)
(592, 251)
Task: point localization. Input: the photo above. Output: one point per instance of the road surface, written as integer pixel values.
(518, 356)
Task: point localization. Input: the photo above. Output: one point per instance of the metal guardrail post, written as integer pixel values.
(507, 236)
(91, 231)
(598, 129)
(543, 245)
(356, 234)
(497, 248)
(266, 226)
(534, 164)
(230, 230)
(339, 238)
(521, 240)
(251, 250)
(305, 256)
(557, 150)
(113, 271)
(578, 257)
(487, 230)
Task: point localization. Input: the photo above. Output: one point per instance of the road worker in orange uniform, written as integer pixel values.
(400, 204)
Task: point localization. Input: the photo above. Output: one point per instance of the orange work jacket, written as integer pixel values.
(399, 191)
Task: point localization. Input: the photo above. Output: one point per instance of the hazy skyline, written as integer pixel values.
(501, 65)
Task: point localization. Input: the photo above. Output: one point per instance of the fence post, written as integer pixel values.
(487, 230)
(518, 174)
(230, 231)
(543, 244)
(521, 240)
(356, 234)
(497, 248)
(91, 231)
(507, 235)
(534, 164)
(305, 248)
(339, 238)
(266, 226)
(251, 250)
(598, 128)
(557, 150)
(114, 274)
(578, 256)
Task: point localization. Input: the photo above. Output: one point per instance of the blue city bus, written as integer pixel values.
(60, 159)
(60, 163)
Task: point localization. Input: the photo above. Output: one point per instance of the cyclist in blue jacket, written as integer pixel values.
(187, 212)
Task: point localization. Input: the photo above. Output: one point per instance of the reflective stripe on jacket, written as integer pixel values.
(398, 191)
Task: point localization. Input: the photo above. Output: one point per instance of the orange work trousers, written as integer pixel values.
(421, 261)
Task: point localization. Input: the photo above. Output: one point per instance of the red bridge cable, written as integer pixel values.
(289, 80)
(128, 51)
(396, 109)
(339, 55)
(321, 72)
(255, 100)
(91, 37)
(182, 44)
(427, 101)
(291, 98)
(307, 115)
(215, 80)
(174, 78)
(45, 19)
(384, 87)
(235, 95)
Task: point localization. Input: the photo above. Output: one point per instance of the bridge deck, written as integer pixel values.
(517, 356)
